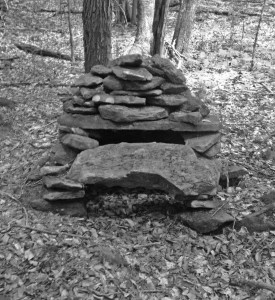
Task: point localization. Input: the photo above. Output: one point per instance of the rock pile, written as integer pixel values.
(162, 137)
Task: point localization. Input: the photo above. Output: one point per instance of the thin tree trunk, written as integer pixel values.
(134, 12)
(159, 23)
(257, 35)
(70, 31)
(184, 25)
(144, 36)
(96, 32)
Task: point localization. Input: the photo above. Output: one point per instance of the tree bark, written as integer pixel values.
(159, 23)
(184, 25)
(144, 36)
(96, 32)
(134, 12)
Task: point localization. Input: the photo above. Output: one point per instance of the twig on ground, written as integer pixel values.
(146, 245)
(218, 209)
(254, 284)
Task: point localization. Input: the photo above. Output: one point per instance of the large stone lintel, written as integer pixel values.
(209, 124)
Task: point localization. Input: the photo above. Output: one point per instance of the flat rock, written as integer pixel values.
(53, 182)
(194, 117)
(119, 99)
(94, 122)
(53, 170)
(166, 100)
(173, 74)
(33, 196)
(87, 93)
(130, 60)
(132, 74)
(194, 104)
(172, 168)
(172, 88)
(143, 86)
(101, 70)
(118, 113)
(87, 80)
(112, 83)
(74, 130)
(205, 221)
(213, 151)
(62, 155)
(68, 107)
(201, 143)
(155, 92)
(78, 100)
(68, 195)
(234, 172)
(78, 142)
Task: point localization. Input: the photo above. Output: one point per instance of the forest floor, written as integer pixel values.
(119, 253)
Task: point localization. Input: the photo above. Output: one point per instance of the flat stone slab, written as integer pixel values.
(118, 99)
(88, 80)
(155, 92)
(143, 86)
(211, 124)
(166, 100)
(70, 108)
(53, 170)
(172, 168)
(129, 60)
(118, 113)
(78, 142)
(193, 117)
(101, 70)
(132, 74)
(87, 93)
(68, 195)
(53, 182)
(201, 143)
(172, 88)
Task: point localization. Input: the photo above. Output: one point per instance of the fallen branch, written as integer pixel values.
(9, 58)
(254, 284)
(43, 52)
(59, 12)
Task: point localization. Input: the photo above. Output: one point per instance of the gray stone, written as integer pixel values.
(75, 91)
(234, 172)
(155, 92)
(62, 155)
(78, 100)
(199, 142)
(74, 130)
(119, 113)
(213, 151)
(132, 74)
(95, 122)
(172, 88)
(89, 93)
(33, 197)
(130, 60)
(68, 195)
(118, 99)
(112, 83)
(53, 170)
(52, 182)
(70, 108)
(143, 86)
(204, 221)
(78, 142)
(166, 100)
(194, 117)
(101, 70)
(173, 74)
(172, 168)
(87, 80)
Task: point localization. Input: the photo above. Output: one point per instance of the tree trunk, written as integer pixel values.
(97, 18)
(184, 25)
(144, 36)
(159, 23)
(134, 12)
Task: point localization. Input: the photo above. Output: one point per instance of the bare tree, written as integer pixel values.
(144, 36)
(134, 12)
(184, 25)
(159, 23)
(96, 32)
